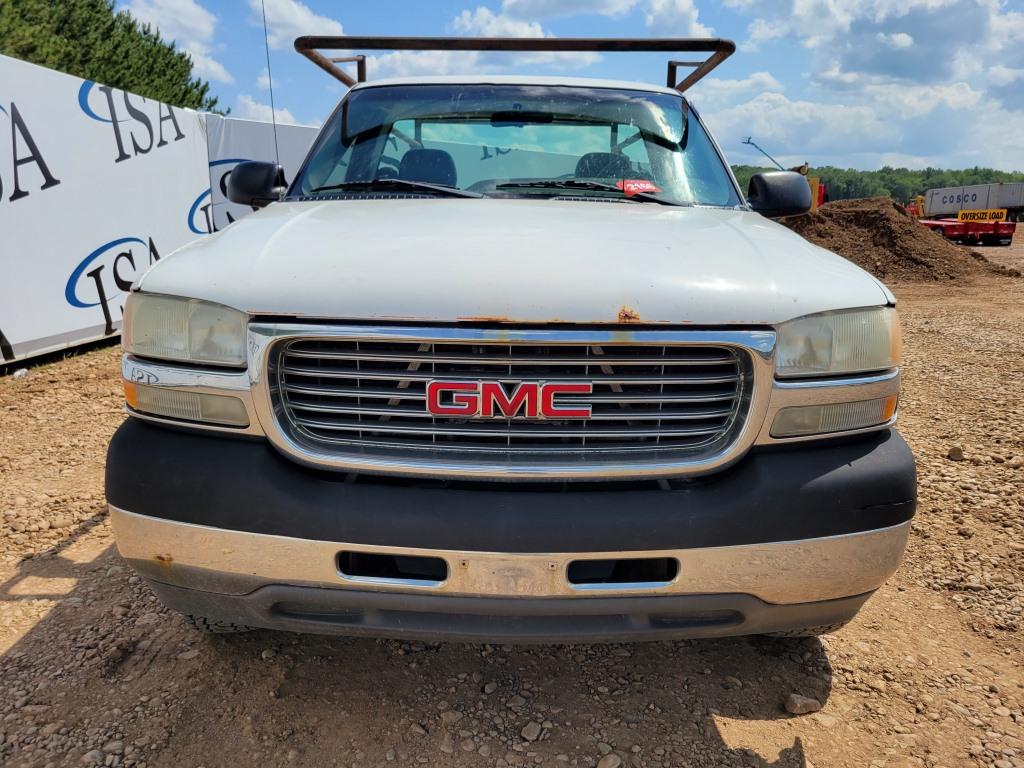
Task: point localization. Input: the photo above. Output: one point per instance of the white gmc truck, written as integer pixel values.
(511, 359)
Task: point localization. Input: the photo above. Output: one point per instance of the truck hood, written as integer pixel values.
(524, 261)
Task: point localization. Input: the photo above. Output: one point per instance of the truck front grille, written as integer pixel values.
(368, 396)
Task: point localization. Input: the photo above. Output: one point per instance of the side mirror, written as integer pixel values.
(779, 193)
(255, 183)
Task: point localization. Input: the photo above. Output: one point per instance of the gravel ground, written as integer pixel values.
(94, 672)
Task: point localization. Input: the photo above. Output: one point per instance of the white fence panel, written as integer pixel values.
(95, 185)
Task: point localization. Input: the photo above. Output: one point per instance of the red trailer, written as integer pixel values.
(973, 232)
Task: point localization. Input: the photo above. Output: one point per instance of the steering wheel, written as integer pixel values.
(386, 160)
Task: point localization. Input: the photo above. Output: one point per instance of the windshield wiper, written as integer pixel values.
(593, 185)
(393, 184)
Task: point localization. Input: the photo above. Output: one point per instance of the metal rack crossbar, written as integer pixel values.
(717, 50)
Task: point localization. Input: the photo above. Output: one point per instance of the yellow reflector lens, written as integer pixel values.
(131, 394)
(188, 406)
(803, 420)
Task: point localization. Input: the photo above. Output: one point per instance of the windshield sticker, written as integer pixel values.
(634, 186)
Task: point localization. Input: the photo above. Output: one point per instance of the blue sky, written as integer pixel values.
(853, 83)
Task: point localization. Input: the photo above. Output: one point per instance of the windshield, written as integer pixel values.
(516, 141)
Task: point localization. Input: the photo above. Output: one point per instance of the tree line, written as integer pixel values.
(901, 184)
(91, 40)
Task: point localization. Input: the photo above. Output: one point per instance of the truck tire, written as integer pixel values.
(214, 627)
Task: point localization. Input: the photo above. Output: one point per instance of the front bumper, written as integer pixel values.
(787, 538)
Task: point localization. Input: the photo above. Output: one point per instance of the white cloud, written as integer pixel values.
(1001, 75)
(190, 26)
(549, 9)
(402, 63)
(483, 22)
(895, 40)
(289, 19)
(756, 81)
(205, 66)
(903, 160)
(714, 93)
(833, 75)
(879, 123)
(675, 17)
(904, 74)
(176, 19)
(795, 131)
(815, 23)
(263, 80)
(762, 31)
(911, 101)
(480, 22)
(1009, 29)
(248, 108)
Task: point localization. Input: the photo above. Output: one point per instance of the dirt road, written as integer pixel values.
(94, 672)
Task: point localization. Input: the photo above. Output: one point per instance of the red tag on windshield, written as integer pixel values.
(633, 186)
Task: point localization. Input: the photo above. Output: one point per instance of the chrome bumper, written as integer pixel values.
(236, 563)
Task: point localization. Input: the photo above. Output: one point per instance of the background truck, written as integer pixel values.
(949, 201)
(983, 214)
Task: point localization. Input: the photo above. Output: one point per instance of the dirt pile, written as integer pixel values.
(878, 235)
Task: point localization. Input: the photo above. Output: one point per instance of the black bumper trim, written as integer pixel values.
(506, 620)
(801, 492)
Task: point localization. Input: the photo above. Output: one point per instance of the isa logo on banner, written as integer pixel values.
(107, 273)
(137, 127)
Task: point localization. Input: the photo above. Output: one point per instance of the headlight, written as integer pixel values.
(185, 330)
(847, 341)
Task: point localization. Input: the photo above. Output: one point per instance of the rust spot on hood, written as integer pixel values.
(628, 315)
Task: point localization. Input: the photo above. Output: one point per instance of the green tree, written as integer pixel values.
(901, 184)
(88, 39)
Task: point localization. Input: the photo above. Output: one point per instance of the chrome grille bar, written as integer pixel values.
(499, 360)
(534, 430)
(409, 375)
(420, 413)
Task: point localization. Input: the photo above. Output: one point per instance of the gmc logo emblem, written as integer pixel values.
(490, 400)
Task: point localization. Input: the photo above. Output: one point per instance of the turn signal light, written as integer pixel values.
(222, 410)
(803, 420)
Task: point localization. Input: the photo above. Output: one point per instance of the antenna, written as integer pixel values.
(750, 140)
(270, 82)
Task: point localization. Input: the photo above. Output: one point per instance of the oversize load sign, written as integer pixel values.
(991, 215)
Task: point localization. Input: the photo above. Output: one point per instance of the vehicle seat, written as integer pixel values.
(603, 165)
(433, 166)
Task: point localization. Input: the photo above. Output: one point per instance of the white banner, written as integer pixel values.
(95, 185)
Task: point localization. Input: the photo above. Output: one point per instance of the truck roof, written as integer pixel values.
(572, 82)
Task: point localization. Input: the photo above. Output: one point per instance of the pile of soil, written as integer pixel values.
(877, 234)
